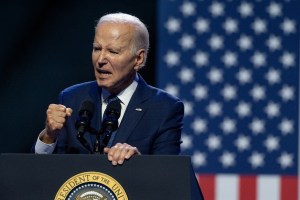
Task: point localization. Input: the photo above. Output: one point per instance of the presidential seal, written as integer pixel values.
(91, 186)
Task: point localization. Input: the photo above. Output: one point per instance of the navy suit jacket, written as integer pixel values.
(152, 121)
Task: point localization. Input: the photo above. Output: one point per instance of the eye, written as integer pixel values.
(95, 48)
(113, 52)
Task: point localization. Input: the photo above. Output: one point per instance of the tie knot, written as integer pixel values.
(112, 98)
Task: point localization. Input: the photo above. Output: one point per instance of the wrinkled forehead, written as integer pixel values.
(114, 35)
(116, 30)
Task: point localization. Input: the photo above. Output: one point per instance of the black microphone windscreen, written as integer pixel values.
(87, 106)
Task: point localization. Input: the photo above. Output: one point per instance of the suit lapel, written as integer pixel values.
(134, 111)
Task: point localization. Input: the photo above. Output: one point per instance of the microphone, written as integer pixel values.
(83, 122)
(85, 115)
(110, 121)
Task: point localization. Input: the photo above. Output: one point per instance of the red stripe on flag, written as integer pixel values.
(289, 186)
(207, 184)
(247, 188)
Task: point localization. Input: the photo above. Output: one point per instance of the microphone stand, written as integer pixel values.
(102, 138)
(98, 146)
(83, 141)
(100, 142)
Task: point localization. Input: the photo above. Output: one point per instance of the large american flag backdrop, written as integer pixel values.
(235, 65)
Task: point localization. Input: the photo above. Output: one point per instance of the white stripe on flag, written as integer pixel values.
(227, 187)
(268, 187)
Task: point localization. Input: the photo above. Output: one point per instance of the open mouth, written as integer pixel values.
(103, 73)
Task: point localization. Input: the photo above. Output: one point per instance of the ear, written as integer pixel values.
(140, 57)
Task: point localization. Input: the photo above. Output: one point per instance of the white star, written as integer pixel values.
(288, 26)
(257, 126)
(272, 109)
(188, 8)
(274, 43)
(198, 159)
(187, 142)
(243, 109)
(187, 42)
(273, 76)
(200, 92)
(215, 75)
(244, 76)
(274, 9)
(271, 143)
(172, 89)
(245, 9)
(199, 125)
(228, 125)
(229, 92)
(173, 25)
(201, 59)
(287, 93)
(242, 142)
(230, 59)
(258, 59)
(259, 26)
(258, 92)
(230, 26)
(214, 109)
(201, 25)
(244, 42)
(285, 160)
(287, 59)
(256, 159)
(188, 108)
(286, 126)
(216, 9)
(216, 42)
(213, 142)
(172, 58)
(227, 159)
(186, 75)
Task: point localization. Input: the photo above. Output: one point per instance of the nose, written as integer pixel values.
(102, 59)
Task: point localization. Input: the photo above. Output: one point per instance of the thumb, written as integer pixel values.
(106, 149)
(69, 112)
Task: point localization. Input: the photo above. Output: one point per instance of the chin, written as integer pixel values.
(102, 84)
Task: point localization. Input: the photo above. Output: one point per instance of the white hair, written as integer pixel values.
(141, 35)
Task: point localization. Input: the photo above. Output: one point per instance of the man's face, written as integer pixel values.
(114, 62)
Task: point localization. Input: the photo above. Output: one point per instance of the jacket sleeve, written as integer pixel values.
(168, 137)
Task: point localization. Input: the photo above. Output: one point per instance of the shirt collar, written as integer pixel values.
(124, 95)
